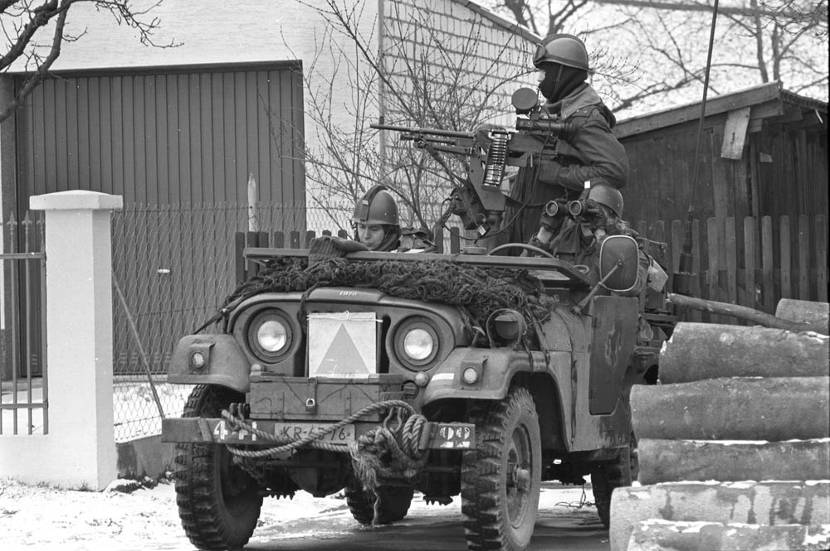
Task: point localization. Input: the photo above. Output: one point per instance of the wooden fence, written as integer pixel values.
(752, 262)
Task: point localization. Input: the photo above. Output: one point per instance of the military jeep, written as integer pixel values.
(354, 374)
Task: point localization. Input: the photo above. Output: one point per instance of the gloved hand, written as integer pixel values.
(326, 247)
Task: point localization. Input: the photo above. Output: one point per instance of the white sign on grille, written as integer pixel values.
(342, 344)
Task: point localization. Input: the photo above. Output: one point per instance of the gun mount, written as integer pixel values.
(479, 198)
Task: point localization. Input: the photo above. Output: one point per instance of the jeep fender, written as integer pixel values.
(495, 368)
(224, 362)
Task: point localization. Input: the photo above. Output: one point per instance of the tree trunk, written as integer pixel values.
(705, 351)
(677, 460)
(734, 409)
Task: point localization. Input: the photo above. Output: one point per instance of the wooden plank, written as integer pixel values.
(279, 239)
(239, 261)
(785, 256)
(439, 240)
(294, 239)
(768, 288)
(731, 249)
(309, 235)
(754, 179)
(343, 233)
(713, 244)
(734, 133)
(676, 244)
(821, 257)
(455, 241)
(804, 258)
(750, 264)
(696, 266)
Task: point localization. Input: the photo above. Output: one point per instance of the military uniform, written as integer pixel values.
(591, 152)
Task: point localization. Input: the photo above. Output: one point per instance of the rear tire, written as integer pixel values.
(394, 504)
(219, 503)
(501, 479)
(618, 473)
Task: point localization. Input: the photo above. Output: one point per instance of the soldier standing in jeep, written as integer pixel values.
(589, 152)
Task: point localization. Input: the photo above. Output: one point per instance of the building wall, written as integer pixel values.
(165, 136)
(495, 56)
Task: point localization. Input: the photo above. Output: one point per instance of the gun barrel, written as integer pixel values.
(424, 131)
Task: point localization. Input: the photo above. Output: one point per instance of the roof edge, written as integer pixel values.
(770, 92)
(498, 20)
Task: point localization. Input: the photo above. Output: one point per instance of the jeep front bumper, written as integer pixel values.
(435, 435)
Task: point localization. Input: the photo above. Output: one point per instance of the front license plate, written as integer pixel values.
(295, 431)
(285, 432)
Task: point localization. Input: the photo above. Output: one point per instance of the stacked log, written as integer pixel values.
(734, 441)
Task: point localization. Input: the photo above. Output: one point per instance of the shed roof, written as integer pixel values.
(766, 101)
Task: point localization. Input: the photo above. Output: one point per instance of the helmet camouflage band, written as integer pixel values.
(565, 49)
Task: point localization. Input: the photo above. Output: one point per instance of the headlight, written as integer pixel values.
(269, 335)
(416, 343)
(272, 335)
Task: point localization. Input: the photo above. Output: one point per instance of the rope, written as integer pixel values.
(312, 439)
(385, 452)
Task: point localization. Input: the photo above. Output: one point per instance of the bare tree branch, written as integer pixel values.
(21, 22)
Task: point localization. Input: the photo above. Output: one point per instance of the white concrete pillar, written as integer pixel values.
(79, 450)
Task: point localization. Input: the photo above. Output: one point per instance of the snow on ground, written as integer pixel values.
(46, 518)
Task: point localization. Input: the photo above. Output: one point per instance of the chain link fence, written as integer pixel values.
(174, 265)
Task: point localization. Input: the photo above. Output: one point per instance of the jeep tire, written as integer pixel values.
(607, 476)
(502, 477)
(219, 503)
(393, 505)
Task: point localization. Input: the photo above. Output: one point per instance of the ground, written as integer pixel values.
(45, 518)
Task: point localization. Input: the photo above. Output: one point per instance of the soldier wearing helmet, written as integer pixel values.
(376, 220)
(590, 152)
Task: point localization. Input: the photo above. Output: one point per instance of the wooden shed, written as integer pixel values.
(763, 153)
(760, 203)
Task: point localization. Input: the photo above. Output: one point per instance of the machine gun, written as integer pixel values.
(478, 199)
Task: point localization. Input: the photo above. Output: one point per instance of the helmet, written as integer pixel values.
(565, 49)
(376, 207)
(607, 195)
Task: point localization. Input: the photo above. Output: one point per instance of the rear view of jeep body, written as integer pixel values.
(371, 389)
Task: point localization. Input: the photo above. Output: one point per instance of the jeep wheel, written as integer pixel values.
(219, 503)
(393, 506)
(501, 479)
(605, 477)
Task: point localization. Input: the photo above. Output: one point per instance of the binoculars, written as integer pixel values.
(577, 207)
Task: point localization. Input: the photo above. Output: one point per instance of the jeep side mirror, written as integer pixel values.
(618, 263)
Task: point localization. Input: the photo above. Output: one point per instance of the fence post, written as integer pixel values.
(78, 341)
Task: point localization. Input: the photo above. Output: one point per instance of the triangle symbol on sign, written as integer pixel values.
(342, 357)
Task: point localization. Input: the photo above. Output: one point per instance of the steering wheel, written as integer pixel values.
(525, 246)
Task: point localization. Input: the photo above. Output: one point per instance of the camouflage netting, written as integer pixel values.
(477, 291)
